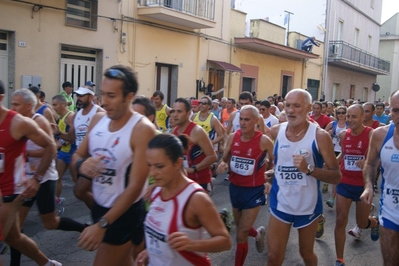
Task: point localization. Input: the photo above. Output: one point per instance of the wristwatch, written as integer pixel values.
(194, 167)
(103, 222)
(38, 178)
(310, 169)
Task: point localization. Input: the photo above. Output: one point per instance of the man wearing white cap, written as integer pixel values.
(81, 122)
(215, 107)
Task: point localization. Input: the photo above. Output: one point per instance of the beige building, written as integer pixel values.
(180, 47)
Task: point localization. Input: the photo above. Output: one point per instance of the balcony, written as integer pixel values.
(344, 55)
(191, 14)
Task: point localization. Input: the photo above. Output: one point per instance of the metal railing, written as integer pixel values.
(199, 8)
(340, 50)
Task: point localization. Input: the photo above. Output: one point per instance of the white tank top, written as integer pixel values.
(236, 122)
(293, 192)
(34, 162)
(389, 201)
(118, 157)
(335, 137)
(81, 123)
(165, 217)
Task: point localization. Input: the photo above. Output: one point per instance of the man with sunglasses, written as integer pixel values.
(384, 147)
(200, 154)
(270, 120)
(81, 122)
(112, 155)
(354, 143)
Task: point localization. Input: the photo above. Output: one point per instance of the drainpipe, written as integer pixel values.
(326, 49)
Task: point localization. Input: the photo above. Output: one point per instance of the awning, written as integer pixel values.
(225, 66)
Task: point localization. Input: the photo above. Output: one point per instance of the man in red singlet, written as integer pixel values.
(15, 130)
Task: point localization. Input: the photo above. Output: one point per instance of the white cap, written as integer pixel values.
(83, 91)
(215, 101)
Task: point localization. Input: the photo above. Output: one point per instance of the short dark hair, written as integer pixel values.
(185, 102)
(171, 145)
(35, 90)
(380, 105)
(2, 88)
(324, 104)
(67, 84)
(158, 93)
(127, 75)
(149, 106)
(266, 104)
(60, 98)
(42, 94)
(246, 95)
(318, 103)
(233, 101)
(208, 99)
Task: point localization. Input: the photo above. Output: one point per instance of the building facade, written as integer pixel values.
(389, 49)
(181, 47)
(353, 29)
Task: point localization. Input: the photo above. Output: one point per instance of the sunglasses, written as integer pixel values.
(117, 74)
(203, 103)
(341, 113)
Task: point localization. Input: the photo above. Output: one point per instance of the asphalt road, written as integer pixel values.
(62, 246)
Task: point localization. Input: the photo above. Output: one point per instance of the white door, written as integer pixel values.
(77, 72)
(164, 83)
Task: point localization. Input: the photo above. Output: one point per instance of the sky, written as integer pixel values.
(303, 21)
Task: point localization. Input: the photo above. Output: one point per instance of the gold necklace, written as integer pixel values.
(297, 135)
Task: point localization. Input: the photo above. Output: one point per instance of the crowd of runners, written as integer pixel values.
(146, 172)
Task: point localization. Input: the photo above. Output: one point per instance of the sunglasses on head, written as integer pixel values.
(117, 74)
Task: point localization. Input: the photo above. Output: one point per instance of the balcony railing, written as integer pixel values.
(199, 8)
(342, 51)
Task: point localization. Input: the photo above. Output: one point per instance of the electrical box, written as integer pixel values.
(29, 81)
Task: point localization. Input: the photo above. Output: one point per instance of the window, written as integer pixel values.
(3, 41)
(356, 37)
(340, 27)
(82, 13)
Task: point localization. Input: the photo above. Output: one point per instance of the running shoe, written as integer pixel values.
(375, 232)
(339, 263)
(356, 232)
(226, 178)
(330, 203)
(227, 218)
(260, 243)
(325, 188)
(211, 187)
(320, 226)
(54, 263)
(60, 205)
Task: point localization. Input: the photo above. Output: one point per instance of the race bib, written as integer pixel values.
(2, 159)
(79, 138)
(350, 162)
(391, 198)
(105, 182)
(290, 176)
(157, 243)
(242, 166)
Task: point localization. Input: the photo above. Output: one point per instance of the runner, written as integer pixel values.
(15, 130)
(163, 110)
(180, 212)
(301, 148)
(113, 155)
(384, 146)
(245, 156)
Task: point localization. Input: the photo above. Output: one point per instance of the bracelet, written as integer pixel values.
(78, 164)
(84, 176)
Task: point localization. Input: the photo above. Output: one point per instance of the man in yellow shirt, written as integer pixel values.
(162, 110)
